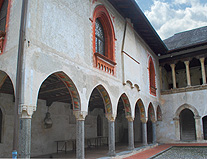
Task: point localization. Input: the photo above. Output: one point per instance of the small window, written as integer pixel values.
(100, 41)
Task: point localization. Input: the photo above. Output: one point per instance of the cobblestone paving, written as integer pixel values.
(184, 153)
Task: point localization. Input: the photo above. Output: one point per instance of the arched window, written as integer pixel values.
(103, 40)
(152, 77)
(1, 117)
(100, 40)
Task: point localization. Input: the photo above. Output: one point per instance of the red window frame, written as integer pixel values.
(104, 62)
(152, 82)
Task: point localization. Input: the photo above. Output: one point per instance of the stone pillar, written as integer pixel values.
(198, 128)
(154, 137)
(187, 73)
(203, 70)
(80, 137)
(144, 131)
(173, 75)
(130, 132)
(25, 113)
(111, 139)
(177, 128)
(160, 68)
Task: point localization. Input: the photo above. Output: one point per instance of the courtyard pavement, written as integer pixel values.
(140, 152)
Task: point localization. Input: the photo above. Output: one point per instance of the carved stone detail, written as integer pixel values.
(80, 115)
(111, 117)
(26, 111)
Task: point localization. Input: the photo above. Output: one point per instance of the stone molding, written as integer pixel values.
(26, 111)
(111, 117)
(80, 115)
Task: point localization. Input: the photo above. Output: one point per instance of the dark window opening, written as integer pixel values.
(100, 40)
(3, 14)
(99, 126)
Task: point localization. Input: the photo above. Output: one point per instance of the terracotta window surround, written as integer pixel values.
(152, 77)
(104, 62)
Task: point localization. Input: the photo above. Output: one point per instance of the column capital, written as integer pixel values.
(130, 118)
(111, 117)
(186, 62)
(26, 111)
(172, 65)
(144, 120)
(80, 115)
(202, 59)
(197, 117)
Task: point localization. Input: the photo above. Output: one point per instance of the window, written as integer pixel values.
(100, 41)
(3, 14)
(103, 40)
(3, 21)
(152, 77)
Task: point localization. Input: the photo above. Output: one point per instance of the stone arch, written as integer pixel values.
(151, 112)
(106, 99)
(159, 113)
(141, 109)
(186, 106)
(127, 106)
(71, 89)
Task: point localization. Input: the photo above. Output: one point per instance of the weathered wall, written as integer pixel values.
(59, 38)
(166, 130)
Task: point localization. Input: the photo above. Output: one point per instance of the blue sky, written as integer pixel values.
(172, 16)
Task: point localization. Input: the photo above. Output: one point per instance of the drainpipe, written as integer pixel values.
(19, 93)
(122, 53)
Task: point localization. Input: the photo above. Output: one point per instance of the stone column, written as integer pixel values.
(160, 68)
(187, 73)
(111, 139)
(177, 128)
(203, 70)
(173, 75)
(80, 137)
(154, 136)
(130, 132)
(25, 113)
(198, 128)
(144, 131)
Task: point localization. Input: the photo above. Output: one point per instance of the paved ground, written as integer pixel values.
(143, 152)
(192, 147)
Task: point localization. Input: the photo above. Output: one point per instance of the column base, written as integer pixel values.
(111, 154)
(130, 148)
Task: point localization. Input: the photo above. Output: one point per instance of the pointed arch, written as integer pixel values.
(66, 82)
(152, 77)
(106, 99)
(127, 106)
(159, 113)
(141, 109)
(151, 112)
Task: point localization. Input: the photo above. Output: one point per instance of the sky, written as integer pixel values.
(169, 17)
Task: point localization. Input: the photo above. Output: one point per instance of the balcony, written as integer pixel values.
(105, 64)
(185, 89)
